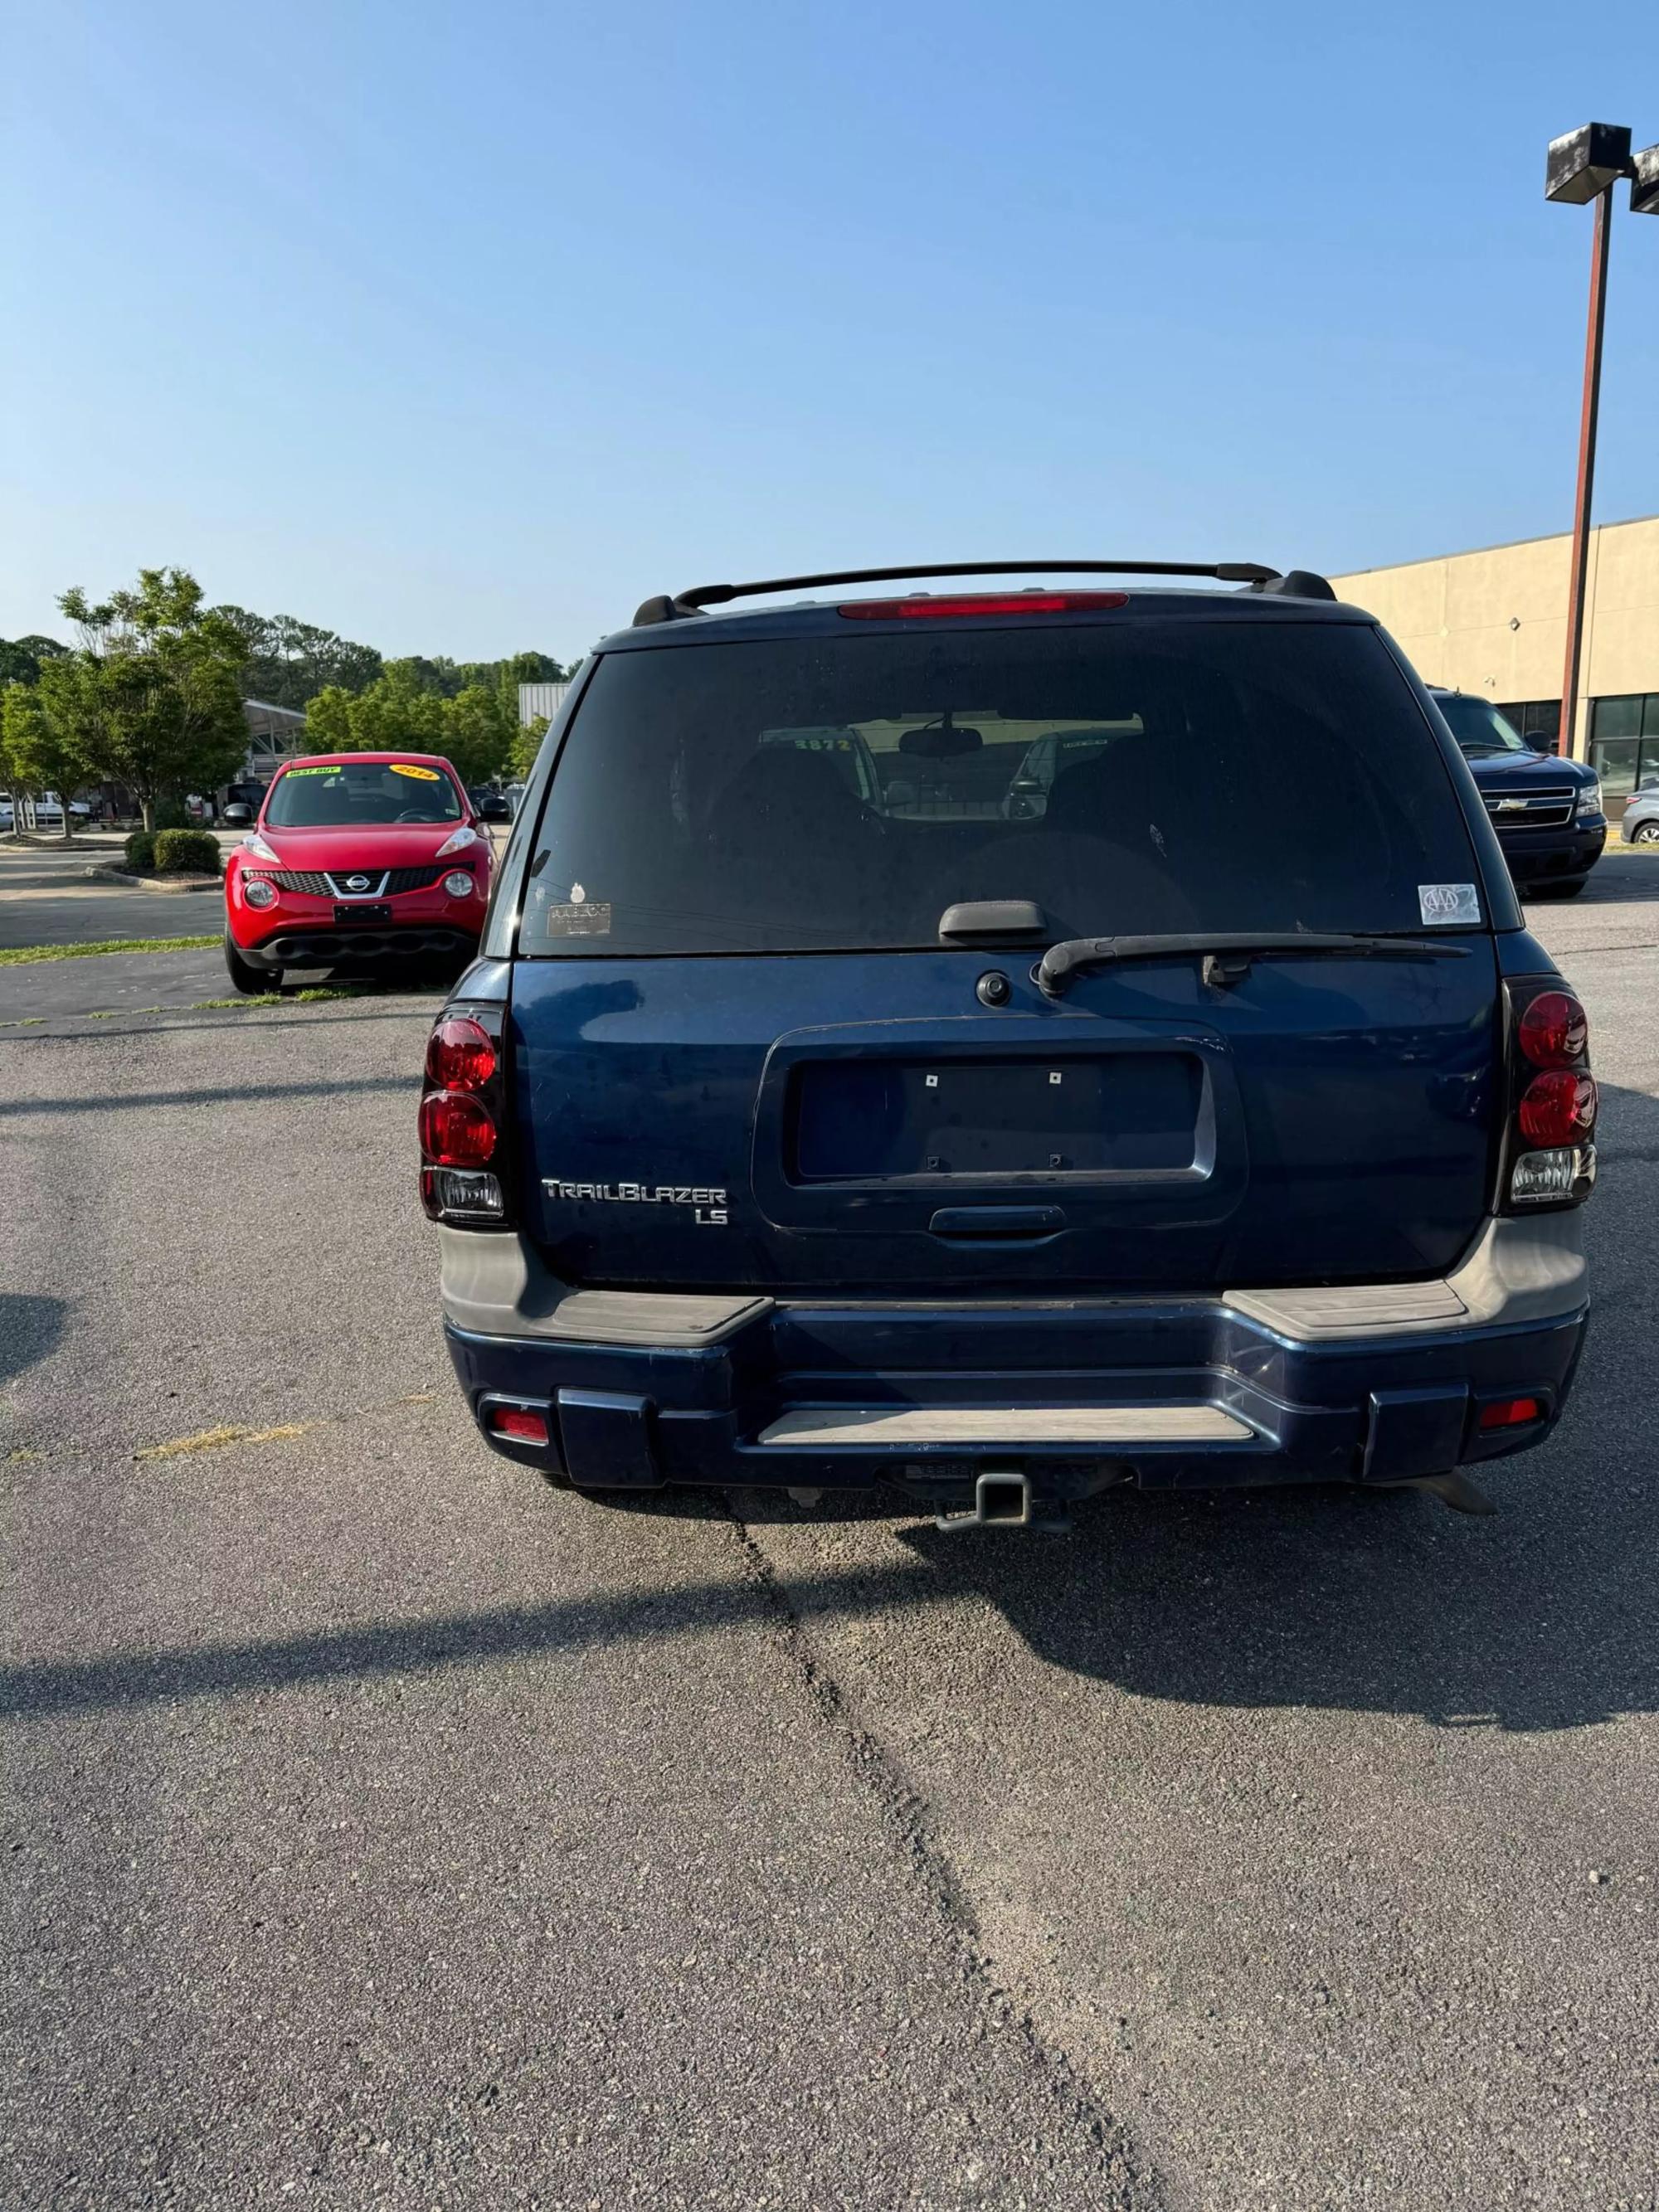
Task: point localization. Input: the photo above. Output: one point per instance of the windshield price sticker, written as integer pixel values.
(334, 769)
(1449, 906)
(405, 767)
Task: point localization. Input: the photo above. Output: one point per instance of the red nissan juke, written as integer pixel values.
(357, 860)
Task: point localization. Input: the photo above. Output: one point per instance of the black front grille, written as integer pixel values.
(1531, 809)
(381, 883)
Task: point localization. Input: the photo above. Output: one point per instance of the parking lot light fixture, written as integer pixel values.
(1583, 165)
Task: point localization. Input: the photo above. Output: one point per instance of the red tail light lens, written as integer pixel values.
(1559, 1108)
(460, 1054)
(456, 1131)
(1554, 1031)
(927, 609)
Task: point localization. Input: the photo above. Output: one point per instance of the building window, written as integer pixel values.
(1538, 720)
(1625, 742)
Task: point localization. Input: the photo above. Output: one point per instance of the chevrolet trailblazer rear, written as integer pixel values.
(816, 1118)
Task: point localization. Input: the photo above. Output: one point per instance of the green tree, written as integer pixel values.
(21, 657)
(479, 729)
(287, 661)
(43, 726)
(156, 685)
(527, 743)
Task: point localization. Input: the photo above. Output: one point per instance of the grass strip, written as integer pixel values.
(19, 956)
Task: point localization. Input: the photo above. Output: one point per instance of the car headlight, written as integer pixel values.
(459, 883)
(257, 892)
(465, 835)
(254, 843)
(1590, 799)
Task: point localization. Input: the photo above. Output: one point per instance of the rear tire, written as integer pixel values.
(1648, 833)
(252, 983)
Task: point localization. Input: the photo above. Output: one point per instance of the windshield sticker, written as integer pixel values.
(575, 916)
(1449, 906)
(406, 767)
(334, 769)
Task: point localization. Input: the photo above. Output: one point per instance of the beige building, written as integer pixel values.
(1495, 623)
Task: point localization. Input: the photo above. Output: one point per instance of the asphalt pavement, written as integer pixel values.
(386, 1829)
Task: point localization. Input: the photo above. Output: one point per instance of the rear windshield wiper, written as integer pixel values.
(1227, 954)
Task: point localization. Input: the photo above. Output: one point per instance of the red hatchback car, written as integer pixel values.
(356, 859)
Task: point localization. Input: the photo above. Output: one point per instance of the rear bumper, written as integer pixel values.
(1380, 1386)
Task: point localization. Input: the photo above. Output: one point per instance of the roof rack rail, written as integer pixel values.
(664, 609)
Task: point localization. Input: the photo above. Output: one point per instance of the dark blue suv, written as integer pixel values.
(1222, 1125)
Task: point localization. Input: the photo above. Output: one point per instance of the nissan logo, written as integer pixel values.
(356, 883)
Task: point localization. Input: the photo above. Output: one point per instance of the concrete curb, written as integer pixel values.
(167, 885)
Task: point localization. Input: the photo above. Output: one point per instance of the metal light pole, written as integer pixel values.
(1585, 165)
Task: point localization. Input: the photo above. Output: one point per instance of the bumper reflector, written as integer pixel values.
(519, 1422)
(1511, 1414)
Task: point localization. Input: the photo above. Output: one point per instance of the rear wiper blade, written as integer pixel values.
(1227, 954)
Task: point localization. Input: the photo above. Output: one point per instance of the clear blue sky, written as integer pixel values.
(461, 328)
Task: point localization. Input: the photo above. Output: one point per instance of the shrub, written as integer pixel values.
(141, 852)
(170, 814)
(187, 852)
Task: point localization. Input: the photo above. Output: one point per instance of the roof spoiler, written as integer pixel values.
(1295, 584)
(1251, 574)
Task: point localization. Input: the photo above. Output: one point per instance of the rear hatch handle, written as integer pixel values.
(987, 1224)
(1227, 955)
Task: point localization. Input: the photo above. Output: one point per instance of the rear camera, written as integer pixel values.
(993, 989)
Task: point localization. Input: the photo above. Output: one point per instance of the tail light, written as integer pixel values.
(463, 1120)
(1549, 1154)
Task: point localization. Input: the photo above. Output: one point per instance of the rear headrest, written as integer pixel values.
(788, 780)
(1135, 782)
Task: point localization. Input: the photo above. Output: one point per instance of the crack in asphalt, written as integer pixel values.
(904, 1814)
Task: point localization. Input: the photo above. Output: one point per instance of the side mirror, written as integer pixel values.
(237, 816)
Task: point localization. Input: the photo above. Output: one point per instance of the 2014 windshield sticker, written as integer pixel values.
(1449, 906)
(408, 768)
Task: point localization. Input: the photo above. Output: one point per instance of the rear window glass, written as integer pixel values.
(823, 793)
(368, 791)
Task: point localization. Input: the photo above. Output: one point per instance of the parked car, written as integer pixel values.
(48, 810)
(1547, 811)
(1224, 1125)
(1641, 823)
(358, 861)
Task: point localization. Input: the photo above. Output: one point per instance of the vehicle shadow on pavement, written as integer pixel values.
(1384, 1602)
(1619, 877)
(29, 1328)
